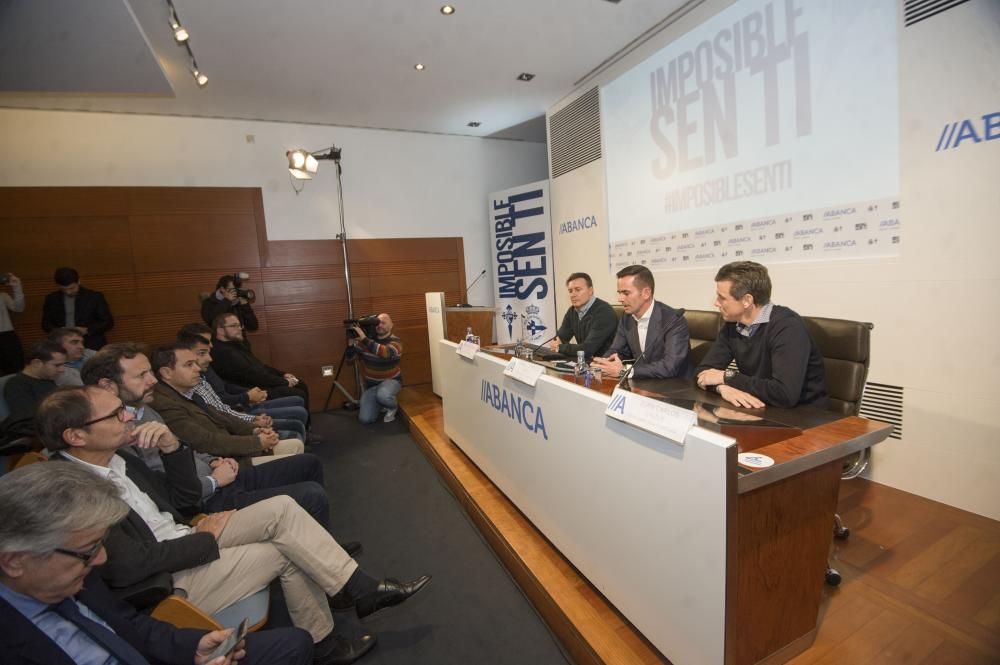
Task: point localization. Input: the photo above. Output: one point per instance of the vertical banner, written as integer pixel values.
(521, 245)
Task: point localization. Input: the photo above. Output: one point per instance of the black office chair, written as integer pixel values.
(703, 327)
(846, 349)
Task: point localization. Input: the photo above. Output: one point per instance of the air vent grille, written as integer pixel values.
(575, 134)
(884, 402)
(915, 11)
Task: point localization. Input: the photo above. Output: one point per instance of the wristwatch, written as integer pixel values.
(728, 374)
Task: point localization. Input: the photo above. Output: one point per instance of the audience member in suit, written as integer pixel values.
(71, 339)
(654, 334)
(225, 300)
(23, 392)
(124, 371)
(253, 400)
(11, 353)
(205, 429)
(205, 395)
(53, 522)
(228, 555)
(234, 361)
(590, 321)
(74, 306)
(778, 362)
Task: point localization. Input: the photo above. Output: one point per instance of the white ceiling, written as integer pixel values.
(336, 62)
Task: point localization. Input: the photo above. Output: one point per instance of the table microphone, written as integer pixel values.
(479, 277)
(631, 369)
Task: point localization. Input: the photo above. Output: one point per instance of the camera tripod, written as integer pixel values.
(351, 404)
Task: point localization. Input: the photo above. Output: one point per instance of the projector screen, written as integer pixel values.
(769, 132)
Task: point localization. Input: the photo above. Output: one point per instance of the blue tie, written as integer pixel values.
(103, 636)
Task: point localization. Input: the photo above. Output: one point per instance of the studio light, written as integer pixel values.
(301, 164)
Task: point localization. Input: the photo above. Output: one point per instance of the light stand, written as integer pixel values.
(333, 153)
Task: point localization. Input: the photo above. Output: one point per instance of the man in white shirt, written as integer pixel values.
(228, 555)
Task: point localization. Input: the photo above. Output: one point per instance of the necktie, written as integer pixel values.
(103, 636)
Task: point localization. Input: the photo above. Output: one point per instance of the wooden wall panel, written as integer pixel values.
(189, 242)
(154, 250)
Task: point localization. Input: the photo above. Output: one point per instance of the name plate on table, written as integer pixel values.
(665, 420)
(467, 349)
(523, 371)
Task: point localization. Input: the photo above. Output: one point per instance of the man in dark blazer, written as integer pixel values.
(73, 306)
(650, 332)
(53, 521)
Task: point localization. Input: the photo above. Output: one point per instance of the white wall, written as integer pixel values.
(396, 184)
(935, 308)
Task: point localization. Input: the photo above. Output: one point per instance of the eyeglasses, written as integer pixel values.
(117, 413)
(88, 556)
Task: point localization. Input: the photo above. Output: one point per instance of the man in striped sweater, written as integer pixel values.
(379, 368)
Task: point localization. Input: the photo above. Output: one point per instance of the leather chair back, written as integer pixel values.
(619, 311)
(845, 346)
(703, 326)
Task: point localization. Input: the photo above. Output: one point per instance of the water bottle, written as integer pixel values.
(468, 334)
(580, 369)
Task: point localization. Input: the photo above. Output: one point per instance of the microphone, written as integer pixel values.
(631, 369)
(548, 340)
(479, 277)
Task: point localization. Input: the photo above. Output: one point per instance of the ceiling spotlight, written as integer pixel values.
(525, 76)
(419, 67)
(447, 10)
(200, 78)
(474, 123)
(181, 34)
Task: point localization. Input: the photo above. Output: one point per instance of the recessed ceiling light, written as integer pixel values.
(474, 124)
(419, 67)
(447, 10)
(525, 76)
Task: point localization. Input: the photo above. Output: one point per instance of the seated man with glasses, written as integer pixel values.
(228, 555)
(54, 607)
(233, 360)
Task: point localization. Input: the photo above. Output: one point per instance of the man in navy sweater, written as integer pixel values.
(778, 363)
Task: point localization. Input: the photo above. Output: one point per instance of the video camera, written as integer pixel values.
(366, 323)
(246, 294)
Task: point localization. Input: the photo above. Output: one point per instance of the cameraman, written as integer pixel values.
(379, 369)
(227, 300)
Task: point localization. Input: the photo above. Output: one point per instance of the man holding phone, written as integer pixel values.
(55, 608)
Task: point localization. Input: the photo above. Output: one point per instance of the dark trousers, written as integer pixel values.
(297, 476)
(288, 646)
(11, 353)
(300, 390)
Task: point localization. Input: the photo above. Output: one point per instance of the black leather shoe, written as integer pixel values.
(388, 593)
(338, 650)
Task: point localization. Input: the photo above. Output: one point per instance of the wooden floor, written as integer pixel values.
(921, 579)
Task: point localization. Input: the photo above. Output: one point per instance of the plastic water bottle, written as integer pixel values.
(581, 365)
(468, 334)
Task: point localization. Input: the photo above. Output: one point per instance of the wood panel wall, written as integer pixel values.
(154, 250)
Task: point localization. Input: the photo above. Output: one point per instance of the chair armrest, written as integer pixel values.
(178, 612)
